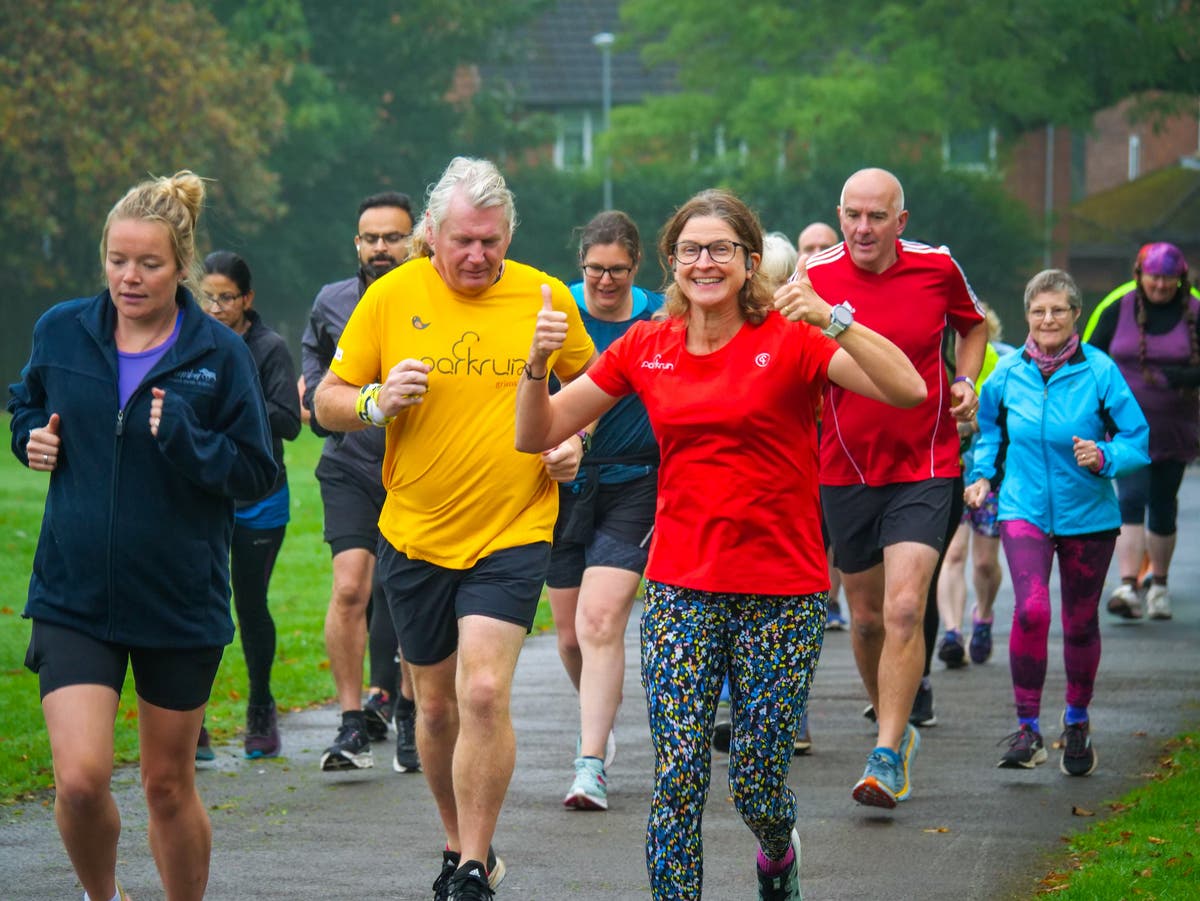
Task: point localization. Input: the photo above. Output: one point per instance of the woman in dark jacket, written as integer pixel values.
(259, 526)
(149, 418)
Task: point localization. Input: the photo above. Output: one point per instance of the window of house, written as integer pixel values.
(972, 149)
(573, 146)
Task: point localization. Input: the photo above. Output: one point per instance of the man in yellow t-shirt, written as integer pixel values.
(434, 353)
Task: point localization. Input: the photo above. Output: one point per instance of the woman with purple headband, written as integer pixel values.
(1153, 336)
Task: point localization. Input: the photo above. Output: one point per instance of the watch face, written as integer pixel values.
(842, 316)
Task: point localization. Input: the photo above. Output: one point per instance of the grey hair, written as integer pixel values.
(483, 186)
(778, 259)
(1056, 280)
(899, 206)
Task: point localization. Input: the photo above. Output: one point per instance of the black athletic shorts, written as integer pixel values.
(352, 505)
(863, 520)
(622, 520)
(427, 600)
(173, 678)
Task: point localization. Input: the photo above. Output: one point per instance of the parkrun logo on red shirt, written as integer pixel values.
(463, 361)
(657, 363)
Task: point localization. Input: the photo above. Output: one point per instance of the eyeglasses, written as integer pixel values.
(1053, 312)
(220, 301)
(616, 273)
(718, 251)
(392, 238)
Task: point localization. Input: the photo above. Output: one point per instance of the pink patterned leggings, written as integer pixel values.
(1082, 564)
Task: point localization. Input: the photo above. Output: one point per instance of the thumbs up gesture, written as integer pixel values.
(42, 450)
(550, 333)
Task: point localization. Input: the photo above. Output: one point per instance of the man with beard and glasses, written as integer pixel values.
(350, 475)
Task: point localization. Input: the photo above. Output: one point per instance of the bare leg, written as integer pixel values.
(180, 830)
(486, 749)
(437, 734)
(987, 574)
(564, 605)
(79, 720)
(1161, 548)
(952, 582)
(1131, 547)
(346, 624)
(890, 649)
(605, 600)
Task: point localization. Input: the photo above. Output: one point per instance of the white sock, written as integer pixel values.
(116, 897)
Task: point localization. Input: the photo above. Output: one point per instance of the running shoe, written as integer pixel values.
(951, 651)
(1125, 603)
(470, 883)
(881, 781)
(1078, 756)
(783, 886)
(922, 709)
(1158, 602)
(378, 708)
(204, 748)
(406, 759)
(980, 647)
(450, 859)
(350, 750)
(1025, 750)
(910, 743)
(834, 621)
(803, 740)
(722, 736)
(262, 731)
(589, 791)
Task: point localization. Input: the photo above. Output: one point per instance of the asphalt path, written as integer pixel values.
(284, 830)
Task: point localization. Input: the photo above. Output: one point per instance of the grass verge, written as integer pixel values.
(299, 595)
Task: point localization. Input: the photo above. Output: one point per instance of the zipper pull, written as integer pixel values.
(120, 423)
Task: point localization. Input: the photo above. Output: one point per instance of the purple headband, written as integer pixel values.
(1162, 259)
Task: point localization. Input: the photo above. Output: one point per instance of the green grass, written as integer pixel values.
(299, 595)
(1149, 848)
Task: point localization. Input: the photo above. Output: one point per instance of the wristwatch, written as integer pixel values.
(841, 317)
(585, 438)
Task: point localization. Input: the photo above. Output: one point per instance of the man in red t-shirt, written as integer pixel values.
(888, 476)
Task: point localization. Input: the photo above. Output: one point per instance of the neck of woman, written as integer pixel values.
(710, 330)
(135, 336)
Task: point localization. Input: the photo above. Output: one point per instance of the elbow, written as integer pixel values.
(911, 393)
(526, 445)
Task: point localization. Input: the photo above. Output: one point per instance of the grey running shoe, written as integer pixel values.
(1025, 750)
(204, 749)
(350, 750)
(406, 760)
(951, 651)
(922, 709)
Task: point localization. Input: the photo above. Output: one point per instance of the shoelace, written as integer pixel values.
(1075, 737)
(1022, 739)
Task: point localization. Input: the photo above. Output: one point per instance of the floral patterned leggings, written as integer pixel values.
(769, 646)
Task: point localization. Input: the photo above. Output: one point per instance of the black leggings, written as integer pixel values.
(1151, 495)
(932, 619)
(251, 560)
(383, 644)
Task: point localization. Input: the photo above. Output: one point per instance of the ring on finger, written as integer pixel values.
(45, 459)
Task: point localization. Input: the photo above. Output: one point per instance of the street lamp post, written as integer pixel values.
(604, 41)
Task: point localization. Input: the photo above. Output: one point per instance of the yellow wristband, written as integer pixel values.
(366, 405)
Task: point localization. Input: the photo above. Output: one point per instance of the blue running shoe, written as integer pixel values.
(882, 780)
(834, 621)
(981, 641)
(589, 791)
(909, 745)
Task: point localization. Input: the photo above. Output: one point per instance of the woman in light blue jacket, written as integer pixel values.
(1057, 423)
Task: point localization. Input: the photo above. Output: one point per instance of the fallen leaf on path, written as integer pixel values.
(1082, 811)
(938, 829)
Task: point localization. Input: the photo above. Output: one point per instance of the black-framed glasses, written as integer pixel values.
(616, 273)
(392, 238)
(718, 251)
(220, 301)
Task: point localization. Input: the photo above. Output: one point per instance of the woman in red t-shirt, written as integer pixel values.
(737, 579)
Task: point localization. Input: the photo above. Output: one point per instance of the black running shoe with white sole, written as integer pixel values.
(351, 750)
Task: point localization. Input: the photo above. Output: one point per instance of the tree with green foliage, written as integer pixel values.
(887, 80)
